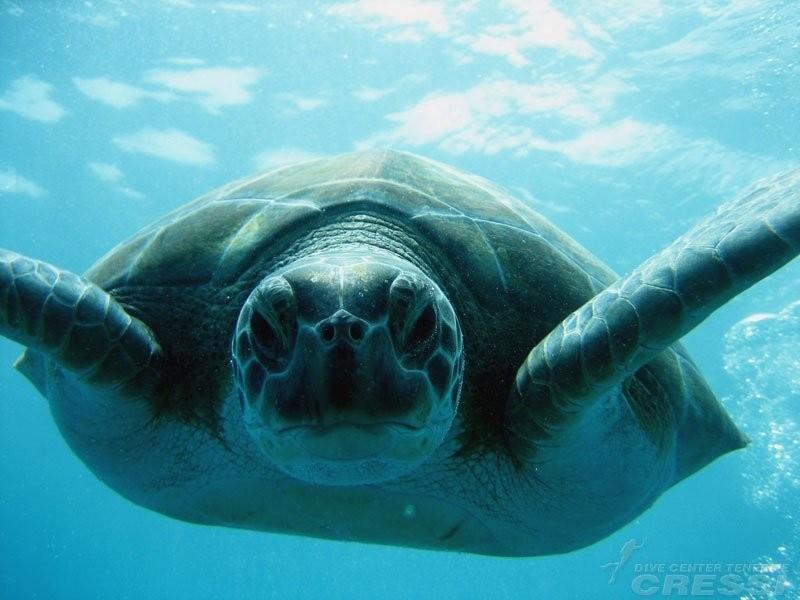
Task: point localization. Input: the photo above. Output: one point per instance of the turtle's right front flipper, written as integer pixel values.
(76, 324)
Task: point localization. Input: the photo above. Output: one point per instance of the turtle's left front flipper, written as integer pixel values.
(625, 326)
(75, 323)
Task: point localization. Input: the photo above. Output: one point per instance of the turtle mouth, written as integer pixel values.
(349, 452)
(346, 426)
(352, 442)
(345, 441)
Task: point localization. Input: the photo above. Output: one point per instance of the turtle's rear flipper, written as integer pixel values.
(606, 340)
(76, 324)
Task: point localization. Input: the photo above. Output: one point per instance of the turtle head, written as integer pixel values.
(349, 368)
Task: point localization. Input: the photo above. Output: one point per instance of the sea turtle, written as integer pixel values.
(377, 347)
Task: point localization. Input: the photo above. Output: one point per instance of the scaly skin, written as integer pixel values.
(637, 317)
(76, 324)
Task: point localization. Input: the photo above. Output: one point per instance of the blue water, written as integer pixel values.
(621, 122)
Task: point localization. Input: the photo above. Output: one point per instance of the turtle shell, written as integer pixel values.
(477, 225)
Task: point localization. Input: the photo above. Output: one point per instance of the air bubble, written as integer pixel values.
(762, 356)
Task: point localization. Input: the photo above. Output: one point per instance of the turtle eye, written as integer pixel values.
(423, 328)
(264, 334)
(412, 318)
(273, 323)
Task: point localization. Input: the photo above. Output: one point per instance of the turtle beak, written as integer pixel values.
(347, 372)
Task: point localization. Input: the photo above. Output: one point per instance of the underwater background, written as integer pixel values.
(622, 122)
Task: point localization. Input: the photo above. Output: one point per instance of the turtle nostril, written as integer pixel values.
(356, 331)
(327, 332)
